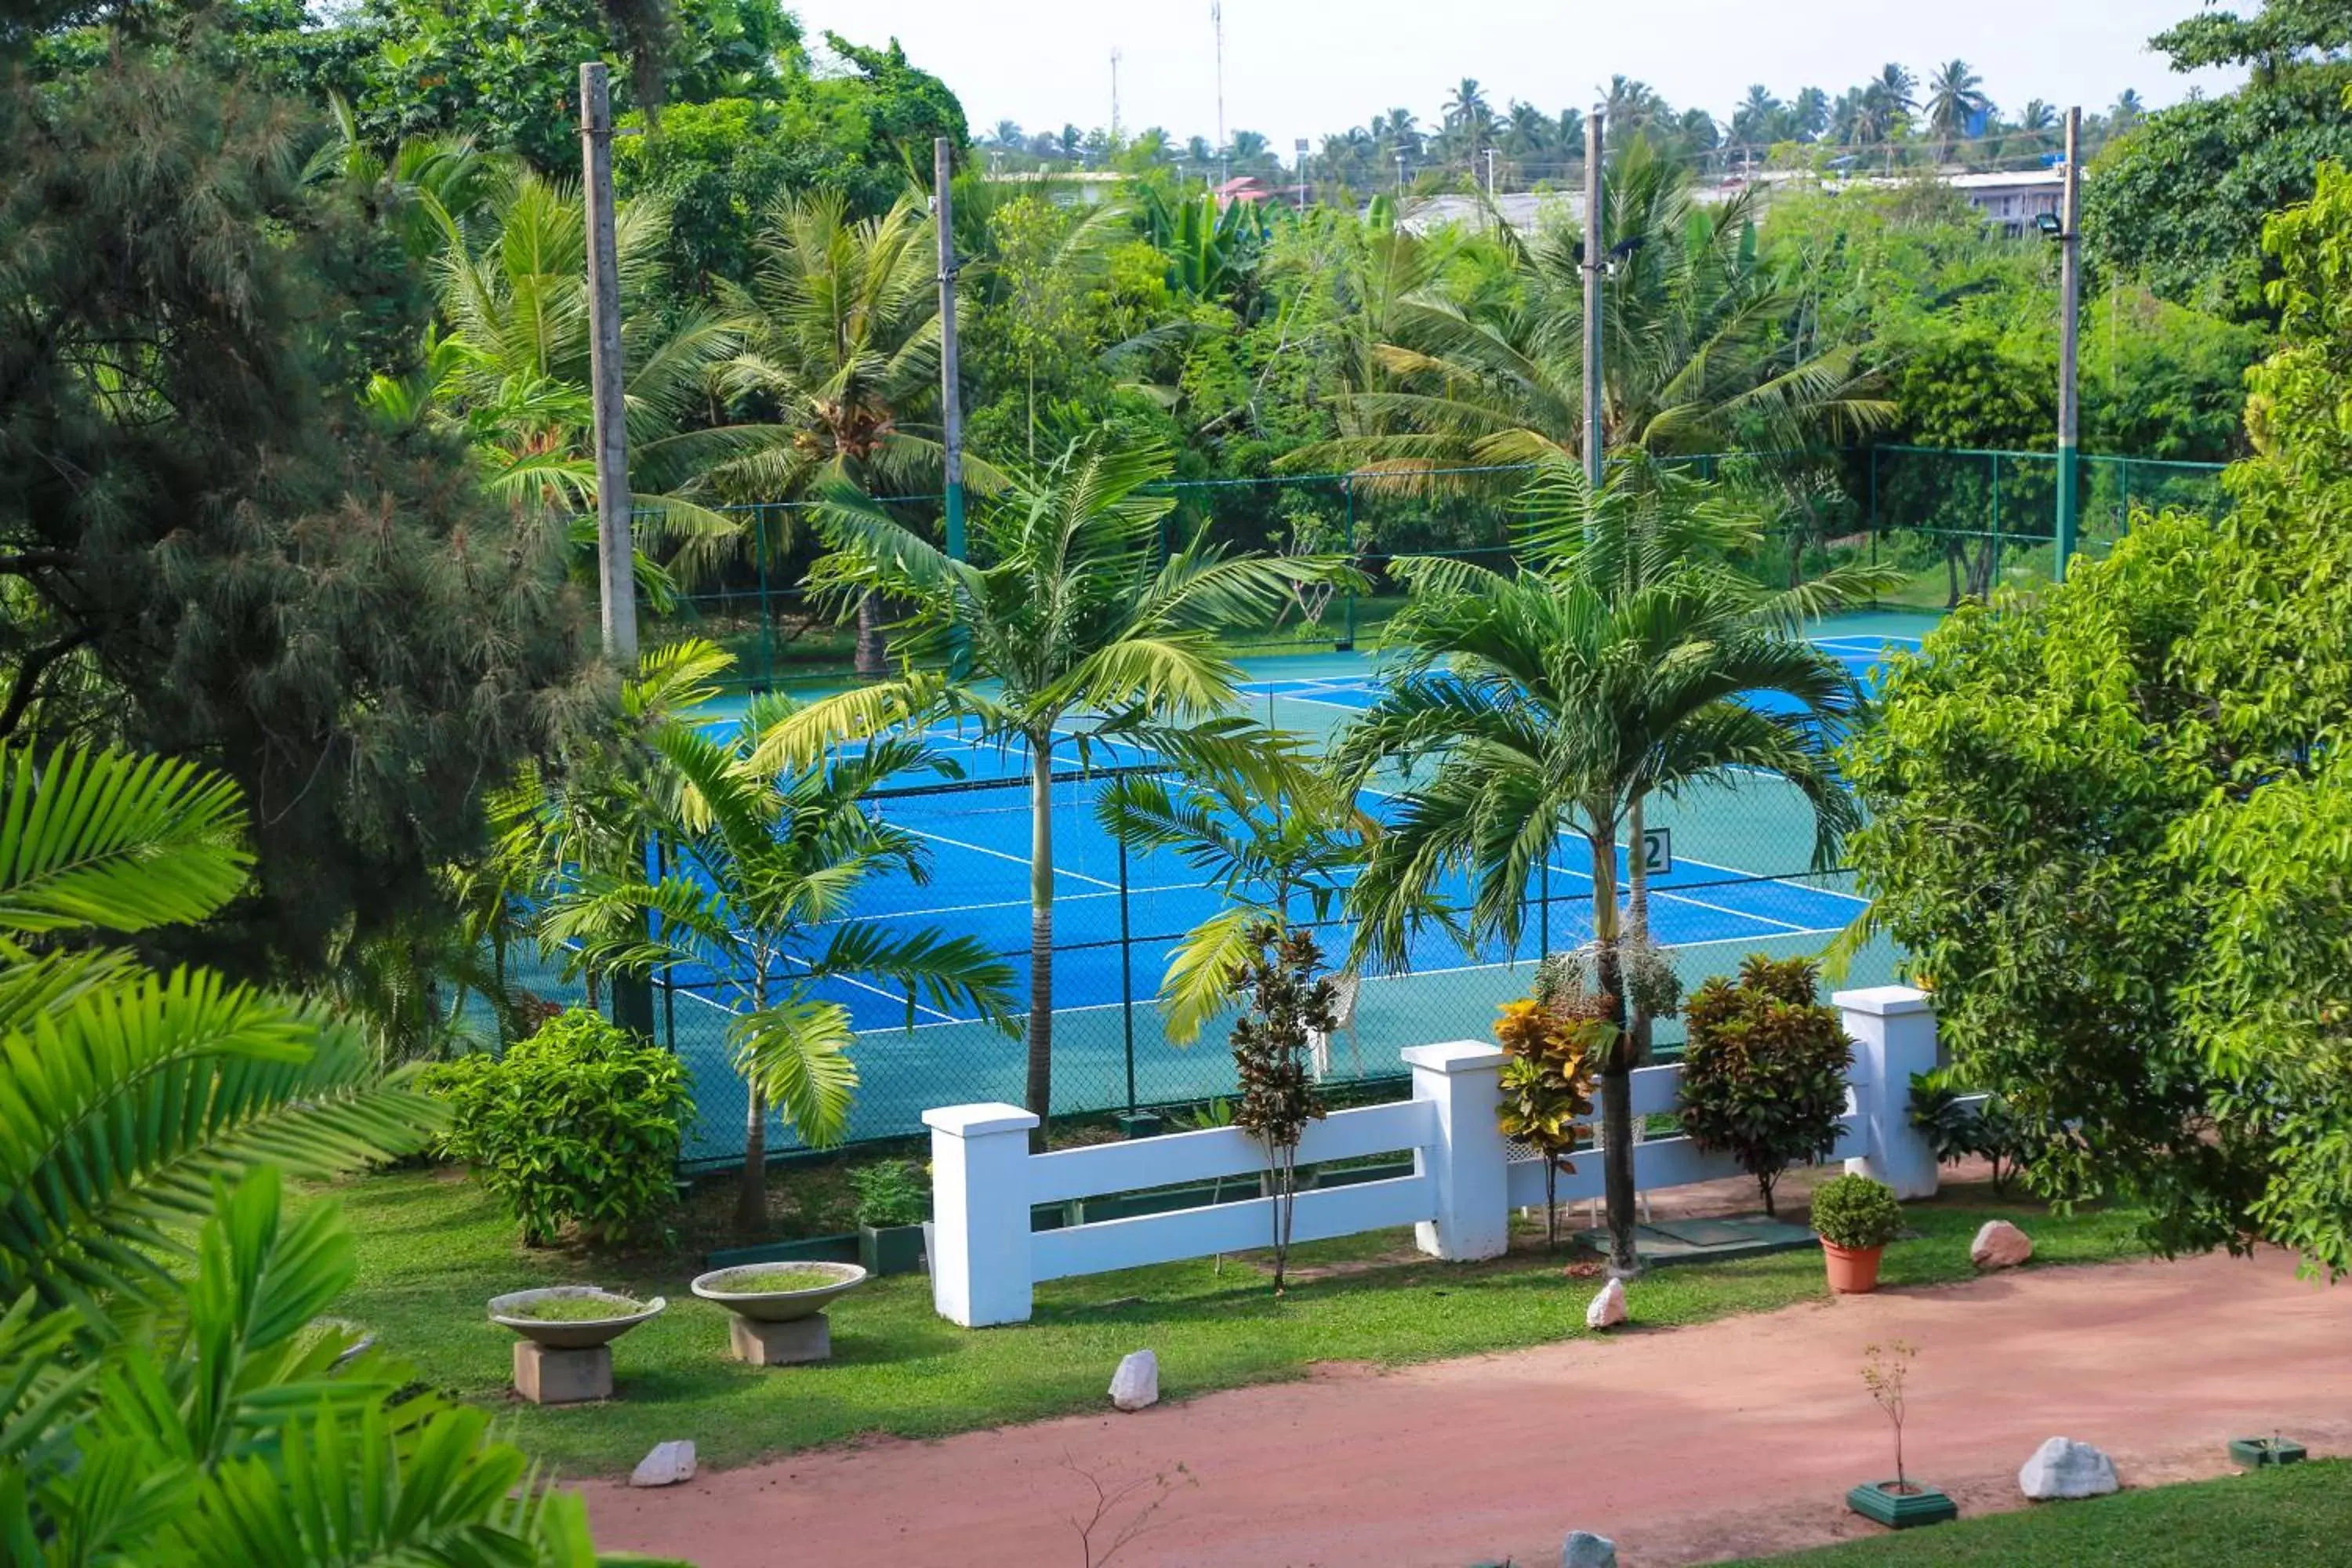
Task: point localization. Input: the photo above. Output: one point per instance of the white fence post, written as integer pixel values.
(1469, 1161)
(980, 1213)
(1893, 1032)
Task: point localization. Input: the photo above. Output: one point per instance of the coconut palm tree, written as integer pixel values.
(1955, 98)
(1756, 123)
(1275, 858)
(510, 363)
(763, 867)
(148, 1123)
(837, 344)
(1545, 705)
(1694, 356)
(1073, 627)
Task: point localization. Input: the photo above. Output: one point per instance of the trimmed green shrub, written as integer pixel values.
(1857, 1212)
(890, 1192)
(1764, 1075)
(1956, 1129)
(579, 1123)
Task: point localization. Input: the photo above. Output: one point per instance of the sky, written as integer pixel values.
(1302, 68)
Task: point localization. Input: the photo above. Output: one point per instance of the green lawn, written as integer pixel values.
(2299, 1515)
(433, 1250)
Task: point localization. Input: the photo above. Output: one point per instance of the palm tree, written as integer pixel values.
(1809, 113)
(1886, 104)
(763, 870)
(510, 366)
(1073, 627)
(150, 1121)
(1276, 858)
(838, 339)
(1549, 703)
(2127, 112)
(1008, 136)
(1695, 357)
(1955, 99)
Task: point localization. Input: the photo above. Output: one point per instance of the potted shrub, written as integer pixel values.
(1855, 1218)
(779, 1308)
(1764, 1074)
(1901, 1503)
(892, 1203)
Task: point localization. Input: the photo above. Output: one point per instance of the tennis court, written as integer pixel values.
(1738, 881)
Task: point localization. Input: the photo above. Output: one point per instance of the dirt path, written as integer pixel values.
(1686, 1444)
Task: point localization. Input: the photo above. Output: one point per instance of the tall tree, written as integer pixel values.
(1956, 99)
(212, 549)
(762, 871)
(1542, 707)
(1074, 628)
(1695, 357)
(839, 345)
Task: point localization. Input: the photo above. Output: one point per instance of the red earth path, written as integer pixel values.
(1684, 1444)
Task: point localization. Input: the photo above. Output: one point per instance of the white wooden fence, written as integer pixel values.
(985, 1258)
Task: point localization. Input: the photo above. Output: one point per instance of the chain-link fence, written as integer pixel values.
(1961, 523)
(1731, 876)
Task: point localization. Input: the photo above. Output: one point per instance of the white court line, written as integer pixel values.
(1001, 855)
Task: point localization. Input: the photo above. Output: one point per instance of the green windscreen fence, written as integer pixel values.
(1961, 523)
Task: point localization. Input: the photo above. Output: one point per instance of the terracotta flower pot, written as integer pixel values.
(1853, 1271)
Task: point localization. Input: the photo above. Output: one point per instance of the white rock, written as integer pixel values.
(669, 1464)
(1136, 1384)
(1585, 1550)
(1608, 1308)
(2000, 1245)
(2062, 1468)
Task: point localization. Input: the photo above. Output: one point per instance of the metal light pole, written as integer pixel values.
(1595, 257)
(633, 995)
(2069, 286)
(615, 584)
(1400, 158)
(951, 391)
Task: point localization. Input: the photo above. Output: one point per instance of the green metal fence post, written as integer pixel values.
(1126, 977)
(1543, 917)
(1993, 575)
(2069, 469)
(767, 611)
(1348, 486)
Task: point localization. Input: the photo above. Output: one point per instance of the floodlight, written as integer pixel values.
(2050, 225)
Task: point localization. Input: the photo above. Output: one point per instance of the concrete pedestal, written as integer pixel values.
(780, 1344)
(547, 1376)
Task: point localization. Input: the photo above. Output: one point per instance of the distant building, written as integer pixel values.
(2014, 200)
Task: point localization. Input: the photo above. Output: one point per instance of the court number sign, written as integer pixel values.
(1658, 850)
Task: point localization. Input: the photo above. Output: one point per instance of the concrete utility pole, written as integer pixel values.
(607, 375)
(2070, 289)
(950, 392)
(616, 583)
(1596, 257)
(1490, 176)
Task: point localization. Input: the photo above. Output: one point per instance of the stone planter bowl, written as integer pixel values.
(571, 1334)
(778, 1306)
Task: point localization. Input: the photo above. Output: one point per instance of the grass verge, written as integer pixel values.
(2301, 1514)
(433, 1249)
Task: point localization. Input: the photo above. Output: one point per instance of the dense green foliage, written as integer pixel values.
(1857, 1212)
(185, 466)
(1553, 1047)
(2107, 827)
(167, 1392)
(2181, 203)
(577, 1123)
(1764, 1072)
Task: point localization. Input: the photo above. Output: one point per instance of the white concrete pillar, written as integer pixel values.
(1893, 1032)
(1463, 1081)
(980, 1213)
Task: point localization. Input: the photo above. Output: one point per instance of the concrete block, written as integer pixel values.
(780, 1344)
(547, 1376)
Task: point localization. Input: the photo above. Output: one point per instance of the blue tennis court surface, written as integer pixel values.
(1119, 915)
